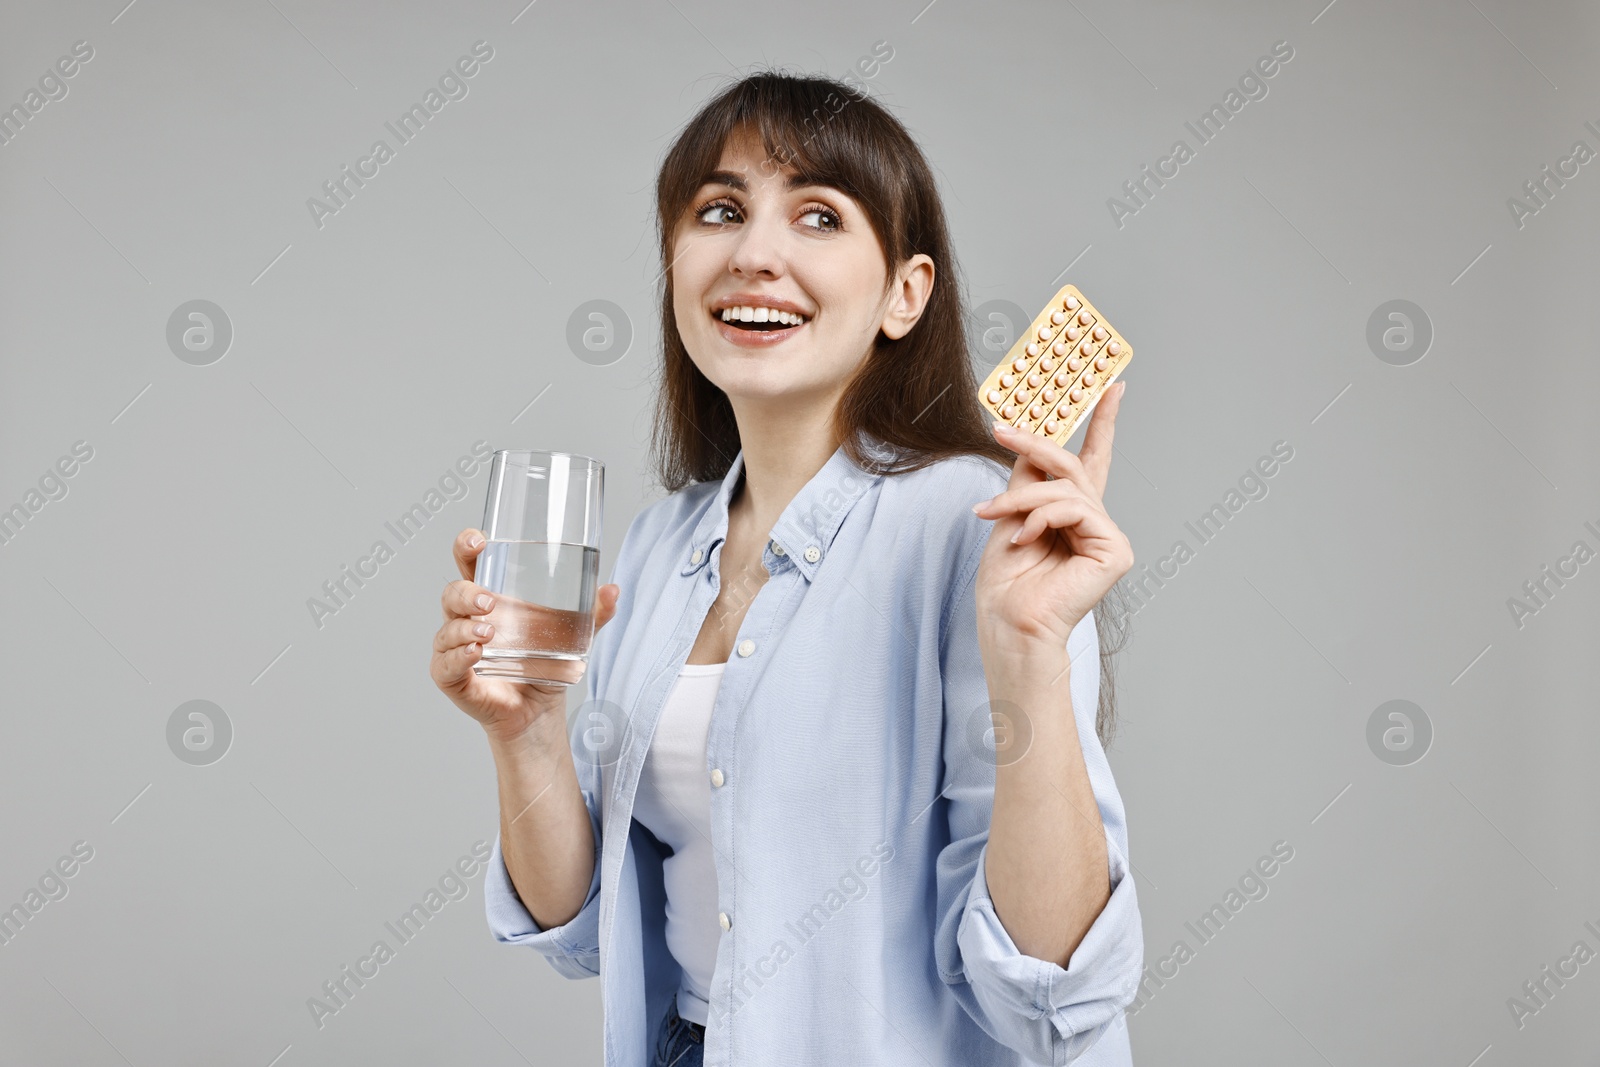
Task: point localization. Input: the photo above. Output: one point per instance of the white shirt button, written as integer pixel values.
(746, 647)
(716, 777)
(777, 549)
(724, 921)
(697, 557)
(813, 553)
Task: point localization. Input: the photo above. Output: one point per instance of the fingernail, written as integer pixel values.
(1004, 428)
(1015, 536)
(481, 629)
(474, 541)
(980, 505)
(483, 601)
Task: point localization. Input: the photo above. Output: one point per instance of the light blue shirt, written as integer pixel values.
(852, 768)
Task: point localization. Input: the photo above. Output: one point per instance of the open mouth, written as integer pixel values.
(759, 319)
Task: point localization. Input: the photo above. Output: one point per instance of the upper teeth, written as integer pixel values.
(759, 314)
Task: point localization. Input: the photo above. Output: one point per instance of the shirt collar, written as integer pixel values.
(806, 529)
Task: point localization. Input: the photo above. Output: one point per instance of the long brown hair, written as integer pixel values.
(917, 394)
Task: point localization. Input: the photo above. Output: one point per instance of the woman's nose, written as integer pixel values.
(758, 249)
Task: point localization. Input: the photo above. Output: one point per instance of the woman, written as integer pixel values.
(836, 795)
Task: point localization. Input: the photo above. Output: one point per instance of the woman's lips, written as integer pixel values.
(756, 338)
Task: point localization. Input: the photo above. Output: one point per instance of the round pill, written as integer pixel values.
(1036, 379)
(1032, 349)
(1057, 317)
(1008, 380)
(1099, 333)
(1047, 364)
(995, 396)
(1084, 318)
(1088, 377)
(1071, 303)
(1044, 333)
(1114, 347)
(1101, 363)
(1009, 411)
(1037, 411)
(1051, 426)
(1019, 364)
(1048, 396)
(1059, 348)
(1074, 364)
(1063, 379)
(1076, 395)
(1022, 396)
(1073, 333)
(1087, 348)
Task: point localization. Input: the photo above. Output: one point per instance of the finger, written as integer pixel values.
(605, 604)
(463, 598)
(1044, 456)
(1028, 497)
(1096, 451)
(469, 543)
(1087, 523)
(1075, 474)
(452, 670)
(459, 632)
(1022, 472)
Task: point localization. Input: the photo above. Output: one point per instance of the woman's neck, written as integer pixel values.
(781, 454)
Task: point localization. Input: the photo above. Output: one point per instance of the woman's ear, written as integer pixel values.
(908, 296)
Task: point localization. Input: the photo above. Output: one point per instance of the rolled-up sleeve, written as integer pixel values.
(1049, 1014)
(572, 948)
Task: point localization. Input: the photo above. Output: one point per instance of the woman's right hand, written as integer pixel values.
(505, 709)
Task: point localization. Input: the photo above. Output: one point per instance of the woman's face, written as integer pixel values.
(804, 264)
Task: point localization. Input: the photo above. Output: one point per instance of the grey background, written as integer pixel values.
(432, 311)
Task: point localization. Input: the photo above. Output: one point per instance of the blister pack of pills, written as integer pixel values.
(1058, 370)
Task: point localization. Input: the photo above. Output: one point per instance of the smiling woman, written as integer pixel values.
(845, 641)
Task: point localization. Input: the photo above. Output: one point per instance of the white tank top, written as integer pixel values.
(674, 803)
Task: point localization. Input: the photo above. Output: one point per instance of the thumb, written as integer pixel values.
(605, 604)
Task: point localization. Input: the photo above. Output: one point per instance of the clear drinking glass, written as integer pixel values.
(542, 524)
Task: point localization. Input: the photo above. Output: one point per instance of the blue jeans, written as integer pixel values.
(680, 1043)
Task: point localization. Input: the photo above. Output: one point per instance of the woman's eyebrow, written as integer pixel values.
(734, 180)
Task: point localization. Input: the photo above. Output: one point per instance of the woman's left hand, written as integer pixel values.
(1053, 552)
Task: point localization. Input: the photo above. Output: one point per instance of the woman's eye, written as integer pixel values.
(717, 214)
(826, 220)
